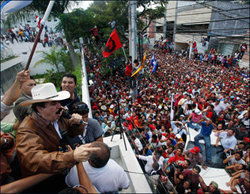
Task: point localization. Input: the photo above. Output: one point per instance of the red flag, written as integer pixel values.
(112, 44)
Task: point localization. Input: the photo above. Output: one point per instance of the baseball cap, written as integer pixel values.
(195, 150)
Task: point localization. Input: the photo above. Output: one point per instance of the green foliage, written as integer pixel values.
(58, 8)
(78, 73)
(66, 61)
(54, 77)
(76, 24)
(56, 57)
(53, 58)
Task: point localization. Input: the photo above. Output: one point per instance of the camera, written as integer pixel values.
(6, 143)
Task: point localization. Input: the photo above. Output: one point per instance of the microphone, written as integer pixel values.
(66, 115)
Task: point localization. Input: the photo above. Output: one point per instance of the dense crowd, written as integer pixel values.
(26, 33)
(158, 110)
(210, 96)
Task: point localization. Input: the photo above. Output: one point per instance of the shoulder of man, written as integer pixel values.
(92, 121)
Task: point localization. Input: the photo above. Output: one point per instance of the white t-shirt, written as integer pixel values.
(148, 167)
(109, 178)
(217, 108)
(138, 144)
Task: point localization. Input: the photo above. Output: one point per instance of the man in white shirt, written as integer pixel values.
(138, 144)
(105, 174)
(224, 104)
(156, 157)
(227, 139)
(217, 107)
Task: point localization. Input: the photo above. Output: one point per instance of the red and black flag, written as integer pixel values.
(113, 44)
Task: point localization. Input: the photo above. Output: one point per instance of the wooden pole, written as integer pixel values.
(47, 12)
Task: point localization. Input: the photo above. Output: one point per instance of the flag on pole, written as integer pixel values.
(172, 109)
(10, 6)
(38, 20)
(112, 44)
(142, 65)
(154, 64)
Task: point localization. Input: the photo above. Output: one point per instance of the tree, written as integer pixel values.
(54, 58)
(75, 25)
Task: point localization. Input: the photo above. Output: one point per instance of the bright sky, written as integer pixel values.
(81, 4)
(86, 4)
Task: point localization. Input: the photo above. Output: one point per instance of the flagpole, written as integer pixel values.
(45, 17)
(172, 110)
(125, 54)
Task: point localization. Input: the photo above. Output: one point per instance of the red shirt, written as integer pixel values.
(209, 114)
(128, 70)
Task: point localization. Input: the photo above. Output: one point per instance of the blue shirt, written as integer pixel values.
(206, 130)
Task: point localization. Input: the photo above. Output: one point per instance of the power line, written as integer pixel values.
(209, 21)
(200, 13)
(247, 7)
(203, 30)
(206, 5)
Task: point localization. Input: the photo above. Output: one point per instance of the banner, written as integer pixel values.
(112, 44)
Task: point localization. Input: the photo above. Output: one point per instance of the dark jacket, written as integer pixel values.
(37, 144)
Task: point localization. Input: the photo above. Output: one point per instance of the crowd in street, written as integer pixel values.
(158, 111)
(26, 33)
(209, 96)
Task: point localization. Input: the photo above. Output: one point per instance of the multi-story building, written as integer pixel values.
(223, 23)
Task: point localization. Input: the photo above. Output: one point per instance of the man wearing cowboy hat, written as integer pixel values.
(39, 136)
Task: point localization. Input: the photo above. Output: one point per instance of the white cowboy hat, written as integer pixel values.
(45, 93)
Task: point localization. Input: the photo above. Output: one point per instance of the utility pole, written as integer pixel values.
(133, 30)
(129, 29)
(165, 22)
(190, 49)
(175, 23)
(133, 51)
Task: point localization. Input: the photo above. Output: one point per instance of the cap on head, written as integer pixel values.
(195, 150)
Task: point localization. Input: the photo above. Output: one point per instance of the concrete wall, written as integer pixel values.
(184, 17)
(8, 75)
(129, 162)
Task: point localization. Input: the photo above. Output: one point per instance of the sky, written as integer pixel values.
(81, 4)
(86, 4)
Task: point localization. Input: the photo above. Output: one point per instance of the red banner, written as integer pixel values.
(113, 44)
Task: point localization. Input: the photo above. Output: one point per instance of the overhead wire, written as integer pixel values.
(201, 13)
(214, 7)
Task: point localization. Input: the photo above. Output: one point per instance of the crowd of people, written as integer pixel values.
(26, 33)
(210, 97)
(181, 95)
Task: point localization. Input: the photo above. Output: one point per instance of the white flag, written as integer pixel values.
(10, 6)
